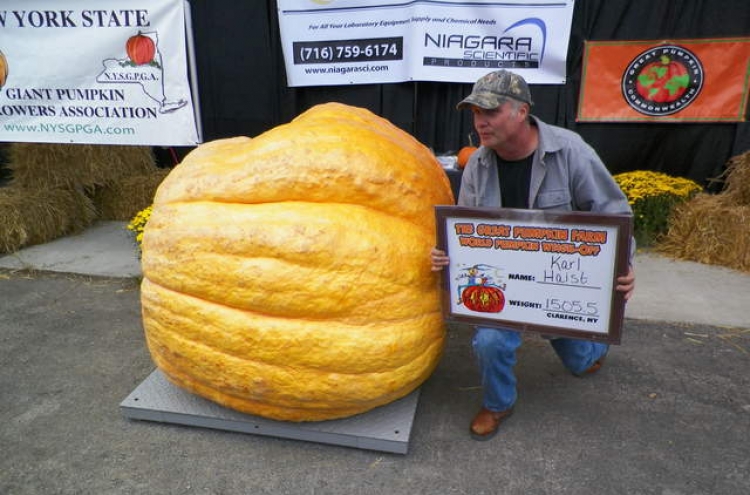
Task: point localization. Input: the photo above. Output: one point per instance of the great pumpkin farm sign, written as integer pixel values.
(104, 72)
(530, 270)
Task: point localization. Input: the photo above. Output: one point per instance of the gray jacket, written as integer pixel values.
(566, 175)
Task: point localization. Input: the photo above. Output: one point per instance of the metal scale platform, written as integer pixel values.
(387, 428)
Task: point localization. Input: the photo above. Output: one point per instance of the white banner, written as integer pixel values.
(338, 42)
(103, 72)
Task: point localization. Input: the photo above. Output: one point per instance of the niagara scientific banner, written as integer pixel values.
(340, 42)
(104, 72)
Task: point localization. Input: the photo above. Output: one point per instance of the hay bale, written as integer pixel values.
(5, 173)
(124, 198)
(48, 166)
(35, 216)
(709, 231)
(737, 180)
(714, 229)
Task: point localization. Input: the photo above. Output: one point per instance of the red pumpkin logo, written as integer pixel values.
(662, 80)
(140, 49)
(483, 298)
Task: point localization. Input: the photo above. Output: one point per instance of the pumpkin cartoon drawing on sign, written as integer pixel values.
(481, 288)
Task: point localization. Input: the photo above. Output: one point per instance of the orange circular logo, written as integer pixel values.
(662, 80)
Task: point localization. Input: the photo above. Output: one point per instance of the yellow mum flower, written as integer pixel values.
(652, 196)
(138, 224)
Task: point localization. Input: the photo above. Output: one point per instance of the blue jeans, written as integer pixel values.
(496, 353)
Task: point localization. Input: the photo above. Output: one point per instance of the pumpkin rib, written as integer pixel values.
(302, 225)
(269, 274)
(291, 262)
(206, 360)
(243, 332)
(289, 412)
(278, 175)
(365, 390)
(343, 274)
(300, 366)
(362, 306)
(419, 225)
(310, 193)
(287, 140)
(332, 113)
(394, 136)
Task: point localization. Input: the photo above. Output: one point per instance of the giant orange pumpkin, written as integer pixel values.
(288, 276)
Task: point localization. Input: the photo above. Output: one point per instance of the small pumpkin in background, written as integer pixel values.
(140, 49)
(288, 275)
(663, 81)
(462, 158)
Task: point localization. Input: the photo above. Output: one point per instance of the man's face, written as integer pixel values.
(499, 125)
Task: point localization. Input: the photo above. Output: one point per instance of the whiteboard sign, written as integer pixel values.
(532, 270)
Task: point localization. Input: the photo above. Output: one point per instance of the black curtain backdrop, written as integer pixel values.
(243, 90)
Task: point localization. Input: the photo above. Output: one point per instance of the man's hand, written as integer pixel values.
(439, 259)
(626, 283)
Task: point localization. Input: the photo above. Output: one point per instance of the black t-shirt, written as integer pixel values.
(515, 180)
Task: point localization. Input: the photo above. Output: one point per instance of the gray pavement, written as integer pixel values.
(106, 249)
(668, 415)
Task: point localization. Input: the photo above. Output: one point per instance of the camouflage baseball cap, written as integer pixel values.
(489, 90)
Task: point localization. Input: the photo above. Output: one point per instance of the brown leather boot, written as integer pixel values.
(593, 368)
(486, 423)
